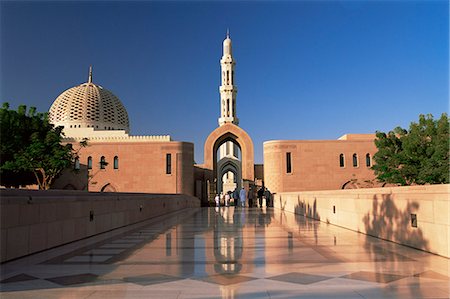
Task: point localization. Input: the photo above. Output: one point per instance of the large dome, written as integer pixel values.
(89, 106)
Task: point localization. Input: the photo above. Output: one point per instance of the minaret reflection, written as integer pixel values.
(228, 240)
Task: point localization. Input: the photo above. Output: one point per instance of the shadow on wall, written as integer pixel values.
(73, 179)
(282, 206)
(387, 221)
(305, 209)
(302, 208)
(83, 179)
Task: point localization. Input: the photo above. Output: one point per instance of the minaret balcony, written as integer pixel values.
(224, 120)
(228, 88)
(227, 60)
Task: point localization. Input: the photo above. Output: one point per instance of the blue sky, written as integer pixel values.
(305, 69)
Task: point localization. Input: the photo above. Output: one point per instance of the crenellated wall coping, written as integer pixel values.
(155, 138)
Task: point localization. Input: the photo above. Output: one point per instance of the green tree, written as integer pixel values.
(30, 144)
(16, 128)
(415, 156)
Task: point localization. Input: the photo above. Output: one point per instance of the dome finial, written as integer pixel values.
(228, 32)
(90, 74)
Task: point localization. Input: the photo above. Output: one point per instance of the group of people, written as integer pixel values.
(264, 193)
(239, 198)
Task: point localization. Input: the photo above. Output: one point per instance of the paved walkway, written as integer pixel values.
(229, 253)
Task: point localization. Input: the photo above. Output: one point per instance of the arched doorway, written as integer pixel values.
(244, 170)
(108, 188)
(229, 174)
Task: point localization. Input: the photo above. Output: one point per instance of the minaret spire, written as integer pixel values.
(227, 88)
(90, 74)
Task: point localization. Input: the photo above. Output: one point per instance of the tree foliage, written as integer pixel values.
(415, 156)
(31, 145)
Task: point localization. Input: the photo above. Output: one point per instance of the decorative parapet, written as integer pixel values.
(153, 138)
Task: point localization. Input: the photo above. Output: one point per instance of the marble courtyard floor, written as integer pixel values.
(228, 253)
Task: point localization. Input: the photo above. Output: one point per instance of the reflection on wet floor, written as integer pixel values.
(230, 252)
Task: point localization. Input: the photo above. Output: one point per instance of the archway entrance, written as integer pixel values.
(242, 171)
(229, 169)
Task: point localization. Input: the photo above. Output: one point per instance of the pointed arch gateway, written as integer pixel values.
(235, 134)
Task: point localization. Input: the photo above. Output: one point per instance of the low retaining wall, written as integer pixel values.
(33, 221)
(416, 216)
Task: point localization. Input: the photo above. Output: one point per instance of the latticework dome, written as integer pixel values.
(89, 106)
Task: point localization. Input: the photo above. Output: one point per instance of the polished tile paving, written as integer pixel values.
(228, 253)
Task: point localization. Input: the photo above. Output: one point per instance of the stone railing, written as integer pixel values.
(416, 216)
(32, 220)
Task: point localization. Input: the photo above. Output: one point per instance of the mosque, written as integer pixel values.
(116, 161)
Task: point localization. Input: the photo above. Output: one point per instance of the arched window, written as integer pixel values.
(102, 162)
(228, 107)
(76, 165)
(89, 162)
(116, 162)
(368, 160)
(341, 160)
(355, 160)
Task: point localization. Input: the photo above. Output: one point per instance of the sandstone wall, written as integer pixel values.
(142, 167)
(315, 164)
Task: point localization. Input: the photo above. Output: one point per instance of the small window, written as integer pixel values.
(355, 160)
(102, 162)
(341, 160)
(288, 163)
(116, 162)
(368, 160)
(168, 163)
(77, 164)
(89, 162)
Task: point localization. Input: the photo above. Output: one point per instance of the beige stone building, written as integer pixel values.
(300, 165)
(115, 161)
(119, 162)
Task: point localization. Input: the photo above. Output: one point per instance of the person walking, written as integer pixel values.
(242, 196)
(217, 200)
(268, 197)
(260, 196)
(227, 199)
(251, 196)
(236, 197)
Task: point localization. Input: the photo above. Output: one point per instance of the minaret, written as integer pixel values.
(90, 74)
(228, 92)
(227, 89)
